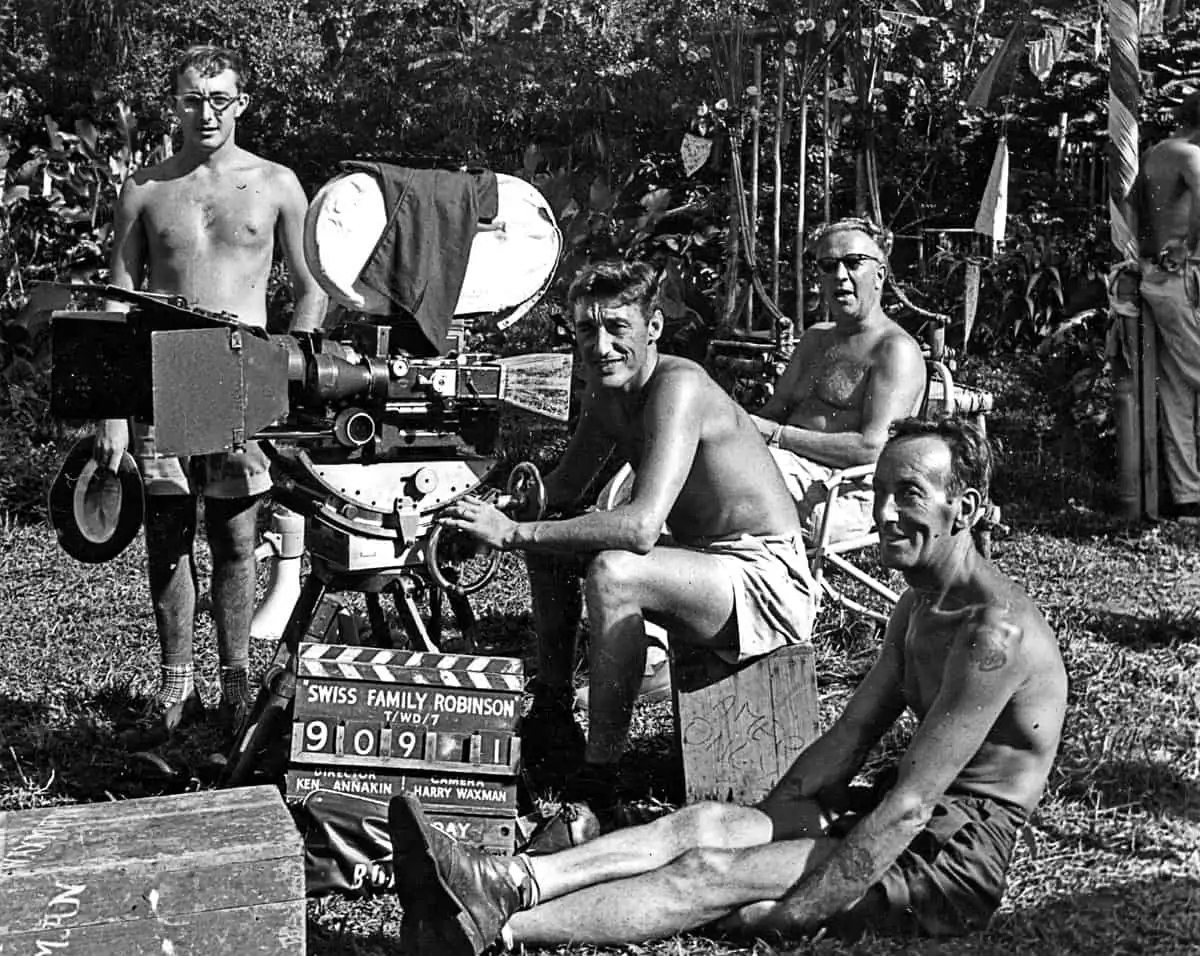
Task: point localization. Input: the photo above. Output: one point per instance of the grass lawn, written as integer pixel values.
(1111, 863)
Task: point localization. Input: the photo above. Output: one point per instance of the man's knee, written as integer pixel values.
(717, 825)
(170, 522)
(613, 574)
(231, 525)
(700, 869)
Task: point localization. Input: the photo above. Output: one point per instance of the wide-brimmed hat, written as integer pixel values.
(94, 512)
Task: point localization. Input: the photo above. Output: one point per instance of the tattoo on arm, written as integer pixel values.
(992, 644)
(992, 660)
(830, 888)
(853, 864)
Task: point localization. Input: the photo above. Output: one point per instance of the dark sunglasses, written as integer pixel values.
(829, 264)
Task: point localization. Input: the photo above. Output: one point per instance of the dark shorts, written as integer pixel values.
(949, 880)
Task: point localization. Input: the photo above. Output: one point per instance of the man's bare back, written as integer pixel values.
(1169, 183)
(209, 231)
(733, 487)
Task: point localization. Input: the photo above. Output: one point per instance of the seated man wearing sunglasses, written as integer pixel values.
(848, 381)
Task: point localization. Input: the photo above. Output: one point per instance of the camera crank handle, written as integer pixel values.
(526, 493)
(439, 570)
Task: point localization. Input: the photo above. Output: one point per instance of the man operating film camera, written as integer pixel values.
(731, 578)
(374, 426)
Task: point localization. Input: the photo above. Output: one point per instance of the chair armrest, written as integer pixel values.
(850, 474)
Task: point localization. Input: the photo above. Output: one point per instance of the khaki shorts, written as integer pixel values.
(806, 481)
(774, 594)
(234, 474)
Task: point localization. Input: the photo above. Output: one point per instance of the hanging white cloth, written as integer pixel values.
(993, 211)
(1046, 52)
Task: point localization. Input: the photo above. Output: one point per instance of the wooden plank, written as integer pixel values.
(272, 928)
(160, 889)
(242, 822)
(736, 733)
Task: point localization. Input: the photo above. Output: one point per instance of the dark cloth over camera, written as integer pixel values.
(420, 261)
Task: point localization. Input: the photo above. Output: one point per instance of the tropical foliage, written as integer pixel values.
(590, 100)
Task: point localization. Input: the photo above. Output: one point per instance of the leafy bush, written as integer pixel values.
(32, 441)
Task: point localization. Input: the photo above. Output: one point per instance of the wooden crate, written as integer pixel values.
(741, 728)
(211, 872)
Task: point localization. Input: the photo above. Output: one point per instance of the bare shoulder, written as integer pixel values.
(684, 388)
(1008, 631)
(1171, 154)
(150, 187)
(815, 336)
(898, 620)
(280, 174)
(276, 176)
(164, 172)
(675, 372)
(897, 348)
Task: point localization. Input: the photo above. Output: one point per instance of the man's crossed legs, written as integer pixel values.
(677, 873)
(693, 868)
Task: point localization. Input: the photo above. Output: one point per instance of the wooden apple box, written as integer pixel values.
(741, 727)
(201, 873)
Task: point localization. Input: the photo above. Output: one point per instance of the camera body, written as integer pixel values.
(366, 438)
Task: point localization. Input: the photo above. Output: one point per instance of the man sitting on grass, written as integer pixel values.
(848, 381)
(733, 580)
(925, 850)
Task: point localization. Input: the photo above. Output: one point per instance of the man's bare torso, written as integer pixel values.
(210, 234)
(1170, 210)
(835, 372)
(1015, 760)
(734, 486)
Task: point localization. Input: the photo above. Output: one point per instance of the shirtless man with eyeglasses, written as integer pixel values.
(203, 224)
(848, 381)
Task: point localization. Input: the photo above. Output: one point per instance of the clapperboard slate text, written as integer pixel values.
(371, 723)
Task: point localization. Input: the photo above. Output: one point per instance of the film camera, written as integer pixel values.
(373, 426)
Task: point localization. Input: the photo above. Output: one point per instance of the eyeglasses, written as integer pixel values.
(853, 263)
(194, 102)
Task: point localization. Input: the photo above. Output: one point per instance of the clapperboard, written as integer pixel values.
(371, 724)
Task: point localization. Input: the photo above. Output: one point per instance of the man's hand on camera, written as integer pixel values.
(480, 520)
(112, 440)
